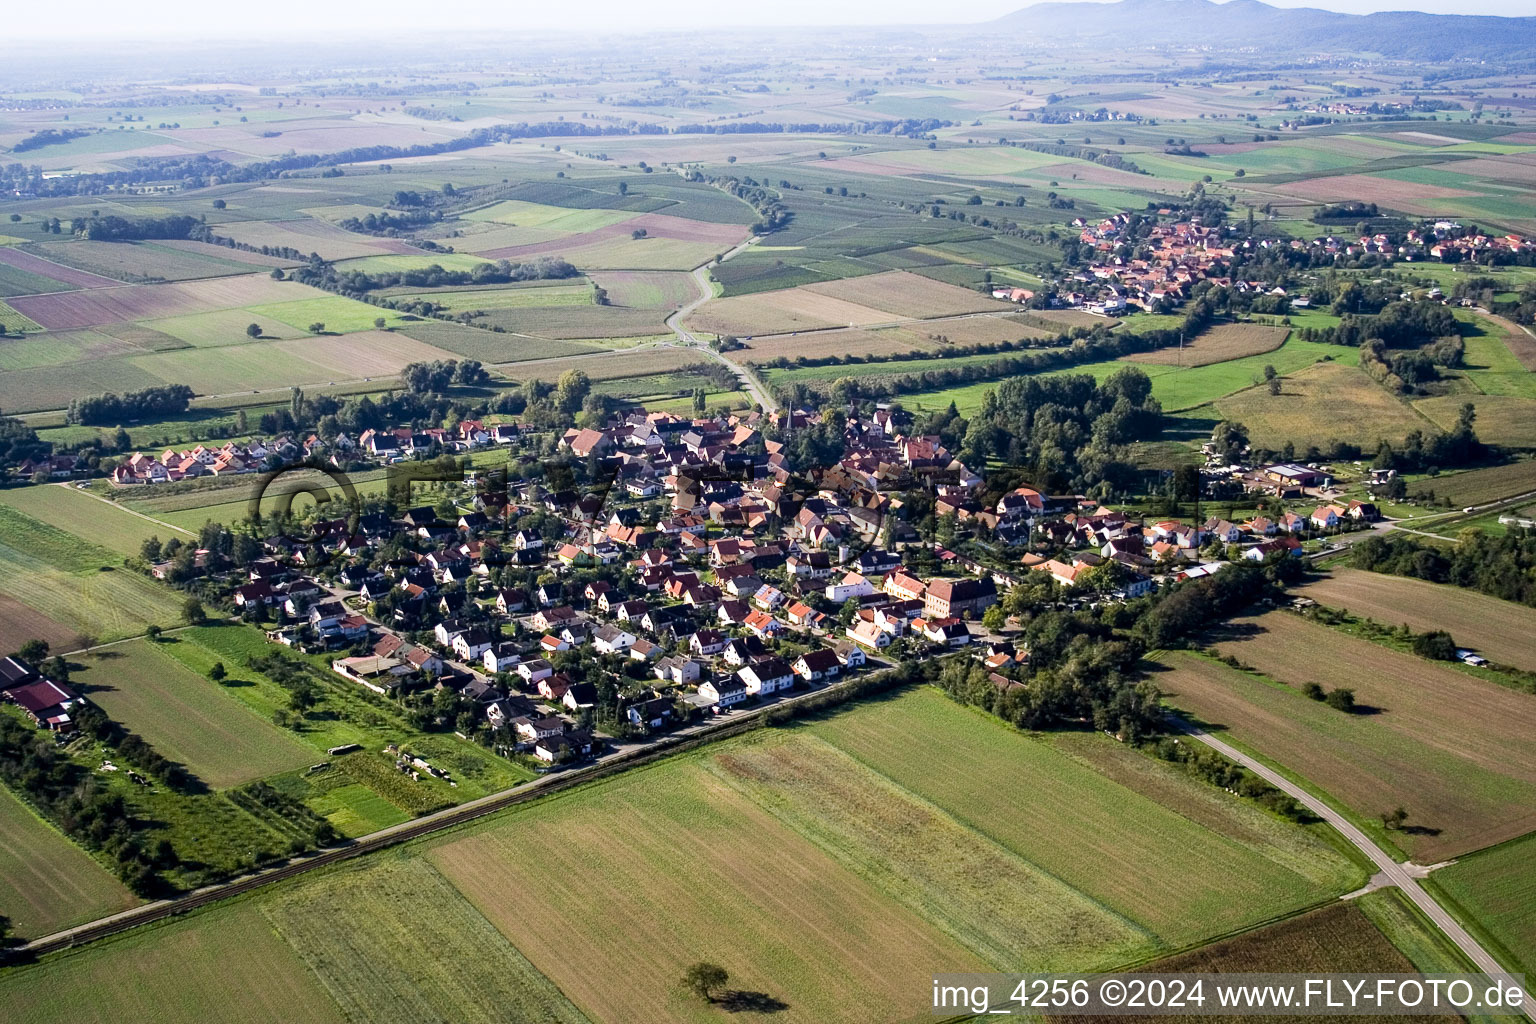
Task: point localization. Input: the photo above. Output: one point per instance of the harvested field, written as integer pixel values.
(394, 941)
(490, 346)
(139, 261)
(307, 236)
(416, 261)
(1447, 746)
(186, 717)
(18, 620)
(149, 302)
(785, 919)
(654, 253)
(1408, 196)
(578, 293)
(1481, 486)
(1320, 403)
(227, 964)
(14, 257)
(951, 336)
(1512, 169)
(361, 354)
(225, 252)
(46, 881)
(1497, 890)
(647, 289)
(1217, 345)
(1501, 630)
(718, 237)
(792, 309)
(609, 366)
(1181, 860)
(1339, 938)
(909, 295)
(1505, 420)
(1073, 318)
(573, 322)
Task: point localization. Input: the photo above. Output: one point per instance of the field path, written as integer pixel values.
(141, 515)
(1404, 876)
(749, 382)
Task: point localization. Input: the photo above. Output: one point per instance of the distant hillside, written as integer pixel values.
(1248, 23)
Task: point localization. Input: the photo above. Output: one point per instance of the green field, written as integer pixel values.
(392, 940)
(224, 327)
(1115, 825)
(1491, 365)
(85, 515)
(1496, 889)
(1177, 389)
(1480, 486)
(185, 716)
(46, 881)
(554, 220)
(404, 262)
(579, 294)
(346, 714)
(78, 585)
(15, 281)
(14, 322)
(491, 346)
(340, 314)
(228, 964)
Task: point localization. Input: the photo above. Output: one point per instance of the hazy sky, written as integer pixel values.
(277, 18)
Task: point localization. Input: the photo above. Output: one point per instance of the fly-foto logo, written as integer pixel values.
(272, 498)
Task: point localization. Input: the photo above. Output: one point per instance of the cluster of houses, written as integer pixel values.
(1170, 259)
(234, 458)
(47, 703)
(698, 572)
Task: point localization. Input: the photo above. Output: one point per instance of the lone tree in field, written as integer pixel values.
(379, 323)
(1274, 386)
(1341, 699)
(253, 331)
(217, 672)
(317, 328)
(192, 612)
(704, 978)
(152, 633)
(1394, 819)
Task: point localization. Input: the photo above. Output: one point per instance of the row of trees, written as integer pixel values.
(163, 401)
(1503, 567)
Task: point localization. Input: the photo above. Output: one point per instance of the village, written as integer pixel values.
(693, 574)
(1175, 255)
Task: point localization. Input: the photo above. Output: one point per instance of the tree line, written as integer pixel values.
(165, 400)
(1502, 567)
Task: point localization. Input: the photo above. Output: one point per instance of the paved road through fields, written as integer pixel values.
(1394, 873)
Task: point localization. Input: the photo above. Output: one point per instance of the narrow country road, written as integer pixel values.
(1393, 872)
